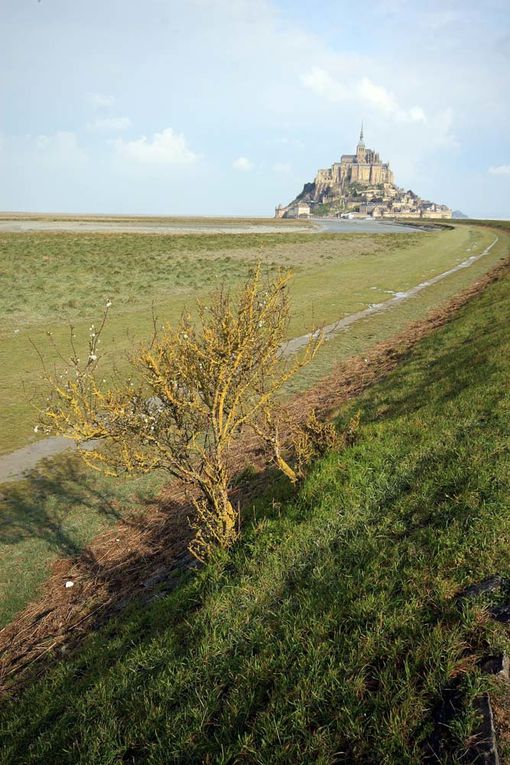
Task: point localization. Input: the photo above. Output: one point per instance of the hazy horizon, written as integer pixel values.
(227, 107)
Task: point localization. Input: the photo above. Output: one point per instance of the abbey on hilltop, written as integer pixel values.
(359, 186)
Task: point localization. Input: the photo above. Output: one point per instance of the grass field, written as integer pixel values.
(54, 279)
(59, 510)
(183, 220)
(328, 634)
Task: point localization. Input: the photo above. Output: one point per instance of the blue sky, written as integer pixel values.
(226, 107)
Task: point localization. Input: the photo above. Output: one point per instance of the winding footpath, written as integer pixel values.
(17, 464)
(332, 329)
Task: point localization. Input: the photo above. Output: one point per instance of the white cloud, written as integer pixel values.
(384, 101)
(416, 114)
(167, 147)
(499, 170)
(322, 83)
(365, 91)
(109, 123)
(243, 164)
(377, 96)
(47, 172)
(100, 100)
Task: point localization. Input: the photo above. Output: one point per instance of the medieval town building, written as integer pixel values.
(360, 185)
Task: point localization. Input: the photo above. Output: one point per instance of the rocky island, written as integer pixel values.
(359, 186)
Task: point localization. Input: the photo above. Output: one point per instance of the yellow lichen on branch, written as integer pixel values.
(192, 391)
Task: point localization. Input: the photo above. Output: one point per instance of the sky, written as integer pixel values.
(227, 107)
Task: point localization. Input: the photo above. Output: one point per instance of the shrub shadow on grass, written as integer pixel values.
(49, 518)
(26, 513)
(143, 558)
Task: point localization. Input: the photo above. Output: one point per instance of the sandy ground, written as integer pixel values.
(15, 465)
(16, 225)
(76, 226)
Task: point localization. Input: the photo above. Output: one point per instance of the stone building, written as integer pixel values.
(360, 185)
(294, 210)
(364, 168)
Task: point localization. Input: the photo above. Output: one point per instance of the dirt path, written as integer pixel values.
(14, 466)
(332, 329)
(144, 556)
(310, 226)
(17, 464)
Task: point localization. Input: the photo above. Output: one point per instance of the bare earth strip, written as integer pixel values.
(15, 465)
(119, 225)
(81, 227)
(147, 554)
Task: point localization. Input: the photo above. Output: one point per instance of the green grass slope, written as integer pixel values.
(328, 634)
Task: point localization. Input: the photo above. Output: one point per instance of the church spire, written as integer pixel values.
(361, 141)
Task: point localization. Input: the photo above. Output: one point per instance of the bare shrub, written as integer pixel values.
(310, 440)
(192, 391)
(306, 440)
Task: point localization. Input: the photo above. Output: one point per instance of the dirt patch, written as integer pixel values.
(21, 226)
(146, 554)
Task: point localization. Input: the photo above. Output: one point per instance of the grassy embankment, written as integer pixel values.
(329, 632)
(57, 512)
